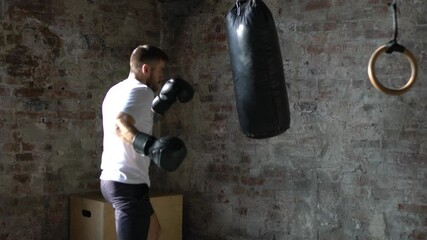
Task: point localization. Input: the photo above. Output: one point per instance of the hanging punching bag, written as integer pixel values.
(257, 67)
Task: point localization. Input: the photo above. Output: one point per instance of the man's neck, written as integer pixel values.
(133, 75)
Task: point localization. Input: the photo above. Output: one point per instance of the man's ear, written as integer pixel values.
(145, 68)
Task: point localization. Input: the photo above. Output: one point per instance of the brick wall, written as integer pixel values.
(352, 166)
(57, 59)
(353, 163)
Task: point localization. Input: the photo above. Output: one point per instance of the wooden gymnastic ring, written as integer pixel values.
(382, 88)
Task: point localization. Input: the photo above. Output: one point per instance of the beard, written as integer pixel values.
(151, 83)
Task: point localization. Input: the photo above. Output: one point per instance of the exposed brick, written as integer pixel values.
(329, 26)
(87, 115)
(22, 178)
(4, 92)
(413, 208)
(27, 147)
(317, 4)
(29, 115)
(350, 154)
(12, 147)
(4, 236)
(252, 181)
(24, 157)
(12, 39)
(328, 50)
(29, 92)
(242, 211)
(418, 235)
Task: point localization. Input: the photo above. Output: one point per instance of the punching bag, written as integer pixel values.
(257, 68)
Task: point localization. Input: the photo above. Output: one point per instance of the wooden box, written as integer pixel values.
(92, 218)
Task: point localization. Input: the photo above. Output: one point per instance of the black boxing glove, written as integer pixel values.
(167, 152)
(173, 89)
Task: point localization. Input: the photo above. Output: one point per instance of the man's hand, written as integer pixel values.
(125, 128)
(166, 152)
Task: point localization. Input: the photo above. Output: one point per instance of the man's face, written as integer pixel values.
(155, 78)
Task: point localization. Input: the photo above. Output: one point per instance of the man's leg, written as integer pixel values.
(132, 208)
(155, 228)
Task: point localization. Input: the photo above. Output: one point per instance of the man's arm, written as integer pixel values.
(166, 152)
(125, 127)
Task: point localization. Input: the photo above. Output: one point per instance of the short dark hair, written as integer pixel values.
(146, 54)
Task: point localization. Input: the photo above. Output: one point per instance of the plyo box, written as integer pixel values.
(92, 218)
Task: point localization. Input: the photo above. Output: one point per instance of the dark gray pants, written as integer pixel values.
(132, 208)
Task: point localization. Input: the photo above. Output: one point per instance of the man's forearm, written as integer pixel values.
(125, 128)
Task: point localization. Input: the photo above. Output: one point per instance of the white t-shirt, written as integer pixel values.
(120, 162)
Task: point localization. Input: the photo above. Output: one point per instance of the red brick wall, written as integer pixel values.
(353, 163)
(57, 59)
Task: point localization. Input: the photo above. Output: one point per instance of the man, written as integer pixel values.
(128, 118)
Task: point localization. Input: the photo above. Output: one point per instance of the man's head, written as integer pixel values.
(147, 64)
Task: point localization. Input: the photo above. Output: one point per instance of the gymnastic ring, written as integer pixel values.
(382, 88)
